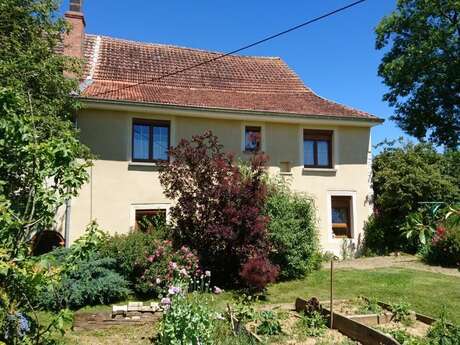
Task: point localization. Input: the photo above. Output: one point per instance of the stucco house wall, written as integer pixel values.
(117, 186)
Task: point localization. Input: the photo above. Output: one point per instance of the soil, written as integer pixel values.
(418, 329)
(403, 261)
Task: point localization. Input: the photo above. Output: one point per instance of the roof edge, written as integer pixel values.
(370, 122)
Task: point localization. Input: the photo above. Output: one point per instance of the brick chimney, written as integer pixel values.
(73, 41)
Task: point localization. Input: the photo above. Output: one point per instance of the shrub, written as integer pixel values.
(269, 323)
(258, 272)
(292, 232)
(218, 209)
(445, 247)
(91, 280)
(187, 321)
(313, 324)
(150, 265)
(402, 178)
(442, 332)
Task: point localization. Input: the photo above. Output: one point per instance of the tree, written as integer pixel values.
(218, 210)
(422, 68)
(42, 162)
(402, 178)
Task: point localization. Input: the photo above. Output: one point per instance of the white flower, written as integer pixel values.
(207, 273)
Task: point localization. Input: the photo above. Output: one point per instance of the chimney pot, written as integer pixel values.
(76, 5)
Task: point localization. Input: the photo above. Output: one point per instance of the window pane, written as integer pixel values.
(308, 152)
(323, 152)
(141, 142)
(252, 139)
(339, 215)
(160, 143)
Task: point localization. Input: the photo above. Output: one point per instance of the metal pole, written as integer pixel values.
(67, 223)
(332, 298)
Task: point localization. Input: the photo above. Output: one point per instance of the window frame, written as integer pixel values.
(254, 128)
(151, 124)
(316, 136)
(345, 202)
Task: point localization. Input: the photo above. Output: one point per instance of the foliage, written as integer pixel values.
(223, 335)
(401, 312)
(420, 227)
(257, 272)
(244, 309)
(292, 232)
(269, 323)
(187, 321)
(91, 280)
(421, 68)
(403, 177)
(218, 210)
(443, 333)
(150, 265)
(313, 324)
(445, 247)
(42, 162)
(404, 338)
(369, 306)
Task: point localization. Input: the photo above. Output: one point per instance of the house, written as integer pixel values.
(322, 148)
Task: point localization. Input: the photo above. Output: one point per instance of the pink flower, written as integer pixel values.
(183, 272)
(151, 258)
(173, 265)
(217, 290)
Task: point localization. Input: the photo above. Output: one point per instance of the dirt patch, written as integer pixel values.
(402, 261)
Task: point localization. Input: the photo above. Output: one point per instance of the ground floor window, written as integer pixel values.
(150, 219)
(341, 216)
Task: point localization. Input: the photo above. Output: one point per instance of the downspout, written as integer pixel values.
(68, 209)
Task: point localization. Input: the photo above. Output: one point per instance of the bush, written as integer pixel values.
(292, 232)
(150, 265)
(445, 247)
(313, 324)
(92, 281)
(402, 178)
(187, 321)
(269, 323)
(219, 208)
(258, 272)
(442, 332)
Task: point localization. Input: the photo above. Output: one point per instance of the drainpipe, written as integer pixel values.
(68, 209)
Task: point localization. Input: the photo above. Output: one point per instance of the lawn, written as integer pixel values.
(427, 292)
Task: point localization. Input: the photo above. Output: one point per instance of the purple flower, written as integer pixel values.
(174, 290)
(165, 303)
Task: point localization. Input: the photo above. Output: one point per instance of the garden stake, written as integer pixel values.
(331, 308)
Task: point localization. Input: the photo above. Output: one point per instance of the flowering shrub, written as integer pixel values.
(165, 266)
(445, 247)
(218, 210)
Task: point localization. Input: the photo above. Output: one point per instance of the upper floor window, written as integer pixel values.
(317, 149)
(151, 140)
(252, 138)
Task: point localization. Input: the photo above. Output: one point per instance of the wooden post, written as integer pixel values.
(332, 297)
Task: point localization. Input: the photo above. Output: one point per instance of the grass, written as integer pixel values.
(425, 291)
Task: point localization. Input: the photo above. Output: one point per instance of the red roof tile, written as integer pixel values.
(265, 84)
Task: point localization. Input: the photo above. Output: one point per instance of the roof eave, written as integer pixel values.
(148, 107)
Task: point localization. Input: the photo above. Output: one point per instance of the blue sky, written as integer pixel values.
(336, 57)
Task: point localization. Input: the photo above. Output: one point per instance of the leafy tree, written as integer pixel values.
(422, 68)
(42, 162)
(218, 210)
(403, 177)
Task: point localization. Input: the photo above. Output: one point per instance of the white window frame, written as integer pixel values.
(263, 146)
(353, 215)
(147, 206)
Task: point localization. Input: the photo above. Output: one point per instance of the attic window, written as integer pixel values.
(252, 138)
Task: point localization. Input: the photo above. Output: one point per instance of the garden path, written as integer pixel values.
(404, 261)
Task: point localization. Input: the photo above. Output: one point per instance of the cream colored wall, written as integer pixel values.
(117, 186)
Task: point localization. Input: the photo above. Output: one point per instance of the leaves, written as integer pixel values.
(422, 68)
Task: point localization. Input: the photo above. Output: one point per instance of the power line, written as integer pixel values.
(236, 50)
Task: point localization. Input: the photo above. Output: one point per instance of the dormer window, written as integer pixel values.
(252, 138)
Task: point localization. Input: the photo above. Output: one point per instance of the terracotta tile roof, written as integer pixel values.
(265, 84)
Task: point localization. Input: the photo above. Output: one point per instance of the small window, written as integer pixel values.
(252, 138)
(151, 141)
(341, 216)
(149, 220)
(317, 149)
